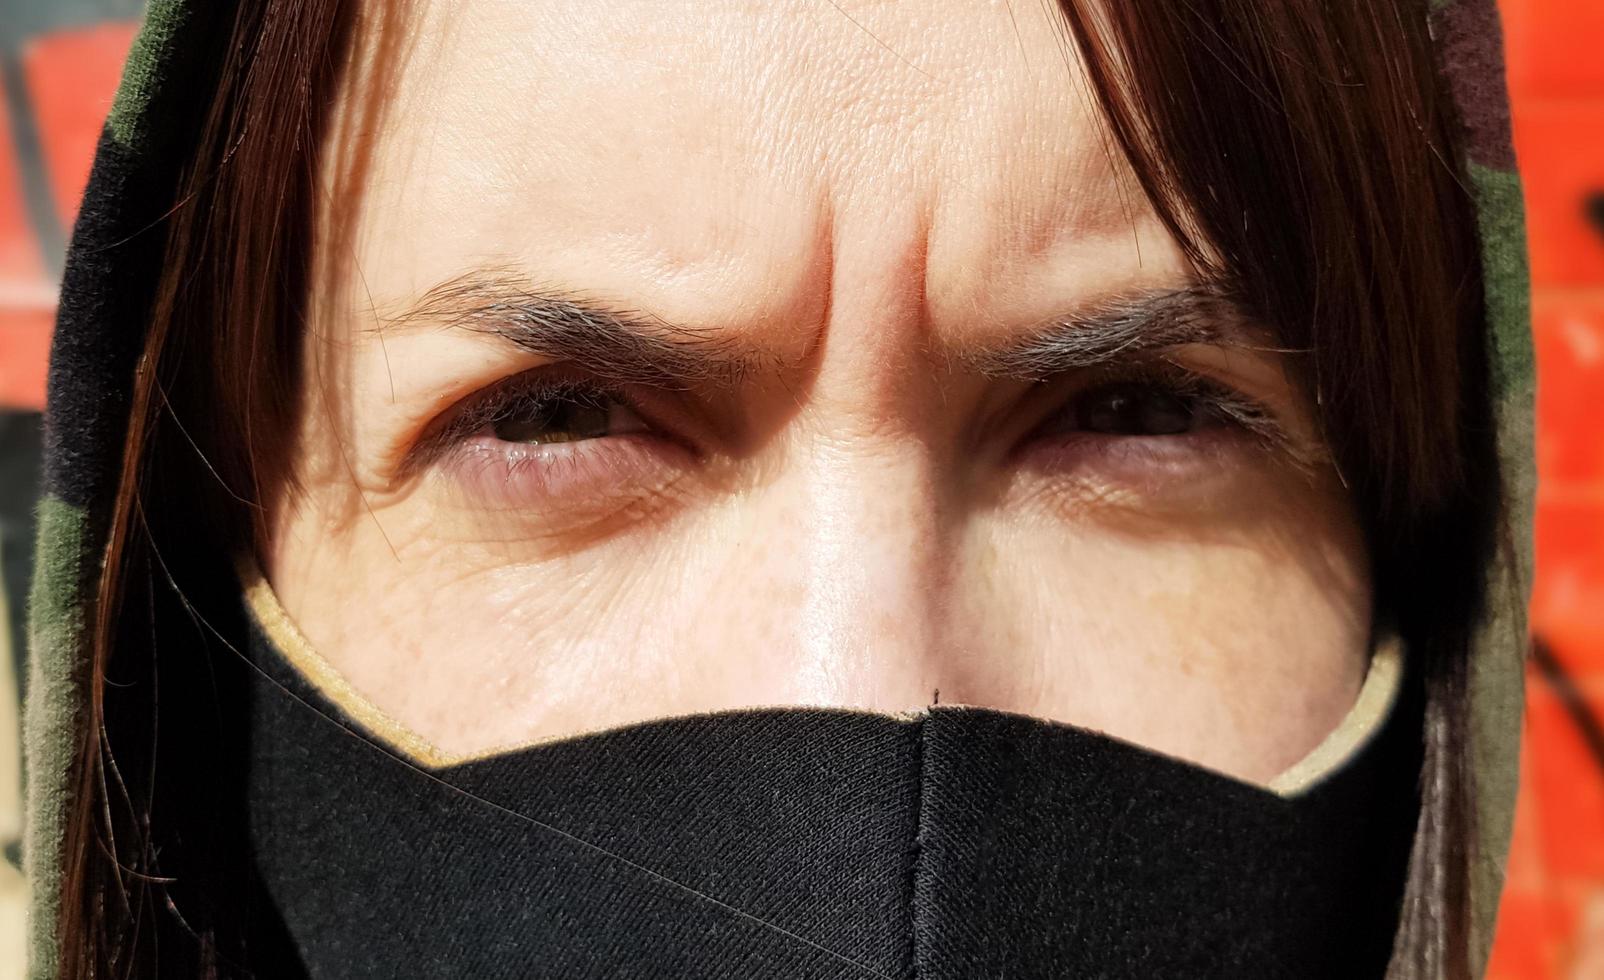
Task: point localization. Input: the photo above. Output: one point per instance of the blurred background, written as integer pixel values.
(59, 65)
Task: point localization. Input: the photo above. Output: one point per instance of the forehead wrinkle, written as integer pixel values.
(727, 146)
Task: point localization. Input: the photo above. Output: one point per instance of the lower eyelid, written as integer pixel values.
(1183, 473)
(590, 473)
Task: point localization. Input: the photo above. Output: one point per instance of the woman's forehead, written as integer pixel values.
(720, 161)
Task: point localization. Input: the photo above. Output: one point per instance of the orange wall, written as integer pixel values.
(1556, 75)
(70, 78)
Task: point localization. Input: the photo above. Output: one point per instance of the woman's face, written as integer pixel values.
(692, 355)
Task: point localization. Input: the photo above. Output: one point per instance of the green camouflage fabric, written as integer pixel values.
(1470, 45)
(106, 290)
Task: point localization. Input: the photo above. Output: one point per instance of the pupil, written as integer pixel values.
(567, 418)
(1135, 410)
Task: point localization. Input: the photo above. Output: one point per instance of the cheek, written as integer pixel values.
(1237, 640)
(1232, 638)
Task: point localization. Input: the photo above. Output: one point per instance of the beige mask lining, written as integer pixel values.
(1363, 720)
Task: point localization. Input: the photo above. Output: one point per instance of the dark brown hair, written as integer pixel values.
(1303, 150)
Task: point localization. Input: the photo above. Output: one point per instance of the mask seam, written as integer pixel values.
(916, 853)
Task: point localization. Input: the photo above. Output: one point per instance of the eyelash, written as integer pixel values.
(1219, 402)
(520, 391)
(1216, 399)
(501, 400)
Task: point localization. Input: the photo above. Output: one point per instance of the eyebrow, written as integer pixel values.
(632, 347)
(1123, 327)
(625, 345)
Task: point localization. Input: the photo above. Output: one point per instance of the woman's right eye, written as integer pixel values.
(554, 447)
(536, 418)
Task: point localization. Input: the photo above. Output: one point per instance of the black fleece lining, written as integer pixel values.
(819, 843)
(118, 243)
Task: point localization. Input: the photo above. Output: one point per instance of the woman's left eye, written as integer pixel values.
(558, 417)
(1133, 408)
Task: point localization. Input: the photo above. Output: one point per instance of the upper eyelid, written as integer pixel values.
(479, 407)
(492, 399)
(1255, 414)
(1160, 367)
(471, 412)
(474, 410)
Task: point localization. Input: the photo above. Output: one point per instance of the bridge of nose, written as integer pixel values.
(854, 534)
(860, 517)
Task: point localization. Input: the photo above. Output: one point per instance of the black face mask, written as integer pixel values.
(956, 842)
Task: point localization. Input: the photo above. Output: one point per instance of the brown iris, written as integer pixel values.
(556, 418)
(1134, 409)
